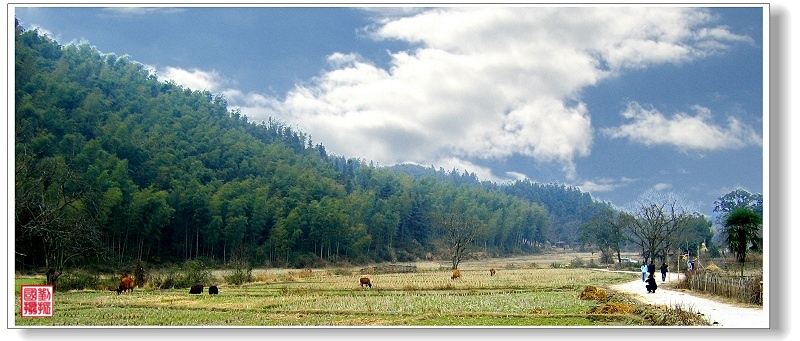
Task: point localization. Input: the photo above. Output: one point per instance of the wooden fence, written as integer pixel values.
(747, 289)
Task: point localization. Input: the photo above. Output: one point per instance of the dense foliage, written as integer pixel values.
(114, 166)
(742, 230)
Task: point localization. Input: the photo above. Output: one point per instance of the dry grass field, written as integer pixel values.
(527, 291)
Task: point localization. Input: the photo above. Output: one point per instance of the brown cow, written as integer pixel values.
(125, 284)
(491, 272)
(365, 281)
(456, 274)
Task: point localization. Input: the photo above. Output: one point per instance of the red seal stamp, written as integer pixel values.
(36, 301)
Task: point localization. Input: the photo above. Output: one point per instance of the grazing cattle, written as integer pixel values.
(365, 281)
(196, 289)
(126, 284)
(491, 272)
(456, 274)
(213, 290)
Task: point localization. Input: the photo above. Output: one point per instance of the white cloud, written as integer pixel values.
(482, 83)
(45, 32)
(140, 11)
(514, 176)
(604, 184)
(483, 173)
(720, 34)
(594, 187)
(662, 186)
(131, 10)
(194, 79)
(684, 131)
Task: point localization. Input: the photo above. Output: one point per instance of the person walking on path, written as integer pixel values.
(644, 272)
(663, 272)
(651, 268)
(718, 314)
(651, 284)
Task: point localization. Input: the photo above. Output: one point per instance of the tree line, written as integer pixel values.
(660, 225)
(113, 166)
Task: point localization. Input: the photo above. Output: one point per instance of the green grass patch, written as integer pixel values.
(26, 280)
(517, 297)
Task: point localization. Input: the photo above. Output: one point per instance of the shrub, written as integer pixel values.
(340, 272)
(239, 276)
(755, 289)
(607, 257)
(683, 283)
(576, 262)
(78, 280)
(265, 278)
(163, 280)
(139, 273)
(193, 272)
(242, 272)
(405, 256)
(305, 260)
(671, 316)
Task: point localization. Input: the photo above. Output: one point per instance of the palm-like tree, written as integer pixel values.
(741, 229)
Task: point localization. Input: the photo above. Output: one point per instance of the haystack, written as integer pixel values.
(593, 293)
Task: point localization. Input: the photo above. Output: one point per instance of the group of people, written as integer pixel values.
(648, 273)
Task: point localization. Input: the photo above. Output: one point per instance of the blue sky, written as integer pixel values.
(617, 100)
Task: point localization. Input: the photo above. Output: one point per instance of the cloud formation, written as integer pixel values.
(194, 79)
(683, 130)
(604, 184)
(662, 186)
(140, 11)
(489, 83)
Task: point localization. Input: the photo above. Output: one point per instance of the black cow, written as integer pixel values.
(213, 290)
(196, 289)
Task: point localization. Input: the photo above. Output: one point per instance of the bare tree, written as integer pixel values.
(661, 219)
(51, 210)
(460, 232)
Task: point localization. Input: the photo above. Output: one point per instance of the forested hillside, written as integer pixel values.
(112, 165)
(568, 207)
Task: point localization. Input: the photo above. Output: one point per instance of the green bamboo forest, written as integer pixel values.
(113, 166)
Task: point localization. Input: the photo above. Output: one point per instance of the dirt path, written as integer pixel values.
(719, 314)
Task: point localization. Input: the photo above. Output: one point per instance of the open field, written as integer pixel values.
(520, 294)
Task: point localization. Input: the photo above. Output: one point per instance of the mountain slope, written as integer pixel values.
(114, 166)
